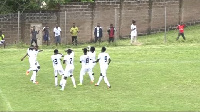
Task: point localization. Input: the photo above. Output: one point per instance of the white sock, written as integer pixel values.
(91, 76)
(61, 81)
(106, 81)
(64, 83)
(100, 78)
(56, 80)
(81, 78)
(34, 76)
(73, 80)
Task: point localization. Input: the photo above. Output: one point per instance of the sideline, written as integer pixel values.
(7, 102)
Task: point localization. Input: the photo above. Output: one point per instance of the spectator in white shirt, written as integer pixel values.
(57, 33)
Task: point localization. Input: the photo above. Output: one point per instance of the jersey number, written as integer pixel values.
(106, 58)
(70, 61)
(55, 61)
(87, 60)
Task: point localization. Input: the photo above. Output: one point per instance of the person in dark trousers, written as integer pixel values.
(181, 27)
(98, 33)
(34, 33)
(74, 32)
(2, 40)
(111, 33)
(46, 35)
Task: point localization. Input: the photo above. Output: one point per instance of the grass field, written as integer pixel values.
(154, 76)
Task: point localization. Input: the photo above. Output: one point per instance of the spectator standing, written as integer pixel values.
(74, 32)
(181, 27)
(111, 33)
(34, 34)
(2, 40)
(57, 33)
(98, 33)
(46, 35)
(133, 32)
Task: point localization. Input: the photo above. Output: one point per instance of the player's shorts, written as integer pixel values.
(103, 69)
(85, 70)
(57, 39)
(2, 41)
(45, 37)
(60, 72)
(69, 71)
(33, 65)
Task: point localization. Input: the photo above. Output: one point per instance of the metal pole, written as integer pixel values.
(165, 24)
(65, 27)
(18, 26)
(115, 24)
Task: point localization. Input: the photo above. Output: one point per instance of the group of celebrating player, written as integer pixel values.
(88, 61)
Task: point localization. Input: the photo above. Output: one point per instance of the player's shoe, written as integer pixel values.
(96, 85)
(75, 86)
(61, 89)
(80, 84)
(27, 72)
(109, 87)
(92, 82)
(36, 82)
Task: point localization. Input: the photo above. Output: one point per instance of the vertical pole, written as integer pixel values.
(18, 26)
(165, 23)
(116, 36)
(65, 27)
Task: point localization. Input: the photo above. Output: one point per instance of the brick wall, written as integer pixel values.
(149, 15)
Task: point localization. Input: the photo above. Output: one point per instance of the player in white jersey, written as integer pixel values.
(56, 59)
(92, 55)
(104, 60)
(34, 65)
(69, 61)
(133, 31)
(84, 60)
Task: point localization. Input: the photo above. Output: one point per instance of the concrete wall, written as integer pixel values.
(149, 15)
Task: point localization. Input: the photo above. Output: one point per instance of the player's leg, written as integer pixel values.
(105, 77)
(59, 39)
(100, 78)
(82, 73)
(76, 40)
(64, 81)
(179, 34)
(62, 73)
(132, 39)
(72, 77)
(135, 39)
(56, 77)
(90, 75)
(182, 34)
(95, 39)
(31, 41)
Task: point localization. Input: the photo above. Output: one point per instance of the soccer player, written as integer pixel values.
(133, 32)
(84, 59)
(69, 61)
(74, 32)
(181, 30)
(56, 58)
(104, 60)
(92, 55)
(34, 65)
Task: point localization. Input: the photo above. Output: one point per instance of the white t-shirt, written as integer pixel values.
(103, 58)
(69, 59)
(133, 32)
(56, 61)
(32, 55)
(92, 56)
(57, 31)
(85, 59)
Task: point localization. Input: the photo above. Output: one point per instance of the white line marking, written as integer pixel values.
(6, 100)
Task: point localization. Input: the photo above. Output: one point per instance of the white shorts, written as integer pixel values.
(2, 41)
(103, 69)
(33, 65)
(60, 71)
(92, 65)
(69, 71)
(85, 70)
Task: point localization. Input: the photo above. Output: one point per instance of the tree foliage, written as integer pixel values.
(12, 6)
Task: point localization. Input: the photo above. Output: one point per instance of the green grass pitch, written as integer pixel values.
(154, 76)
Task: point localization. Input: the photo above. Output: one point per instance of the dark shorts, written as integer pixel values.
(57, 39)
(45, 37)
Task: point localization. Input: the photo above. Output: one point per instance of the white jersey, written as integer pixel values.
(32, 55)
(57, 31)
(69, 59)
(85, 59)
(103, 58)
(133, 30)
(92, 56)
(56, 61)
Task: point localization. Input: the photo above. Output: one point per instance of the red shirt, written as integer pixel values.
(181, 28)
(111, 33)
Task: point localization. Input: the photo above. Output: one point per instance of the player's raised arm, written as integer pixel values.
(24, 56)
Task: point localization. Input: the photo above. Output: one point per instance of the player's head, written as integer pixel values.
(92, 49)
(181, 22)
(69, 51)
(31, 47)
(33, 27)
(36, 47)
(85, 50)
(98, 24)
(56, 25)
(56, 51)
(103, 49)
(74, 25)
(111, 25)
(133, 21)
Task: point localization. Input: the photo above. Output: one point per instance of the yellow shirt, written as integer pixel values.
(2, 37)
(74, 31)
